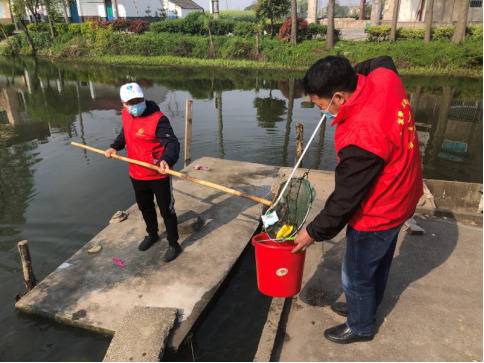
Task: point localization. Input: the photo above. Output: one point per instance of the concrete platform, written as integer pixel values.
(432, 309)
(142, 335)
(91, 292)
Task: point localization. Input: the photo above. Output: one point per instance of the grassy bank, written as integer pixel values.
(123, 60)
(105, 46)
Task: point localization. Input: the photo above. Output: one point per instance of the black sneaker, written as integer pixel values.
(148, 242)
(172, 252)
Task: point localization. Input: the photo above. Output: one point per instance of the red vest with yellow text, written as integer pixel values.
(378, 118)
(142, 144)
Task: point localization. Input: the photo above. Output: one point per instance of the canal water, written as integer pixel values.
(59, 197)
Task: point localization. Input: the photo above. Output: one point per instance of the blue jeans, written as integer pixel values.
(364, 275)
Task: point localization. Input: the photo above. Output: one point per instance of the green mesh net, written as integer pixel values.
(293, 207)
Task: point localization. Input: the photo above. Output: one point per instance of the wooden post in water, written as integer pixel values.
(299, 141)
(188, 132)
(27, 270)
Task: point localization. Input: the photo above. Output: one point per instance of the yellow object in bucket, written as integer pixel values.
(285, 231)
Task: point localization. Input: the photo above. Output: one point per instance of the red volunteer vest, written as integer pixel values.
(378, 118)
(142, 144)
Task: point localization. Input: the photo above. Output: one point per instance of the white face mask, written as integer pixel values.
(329, 116)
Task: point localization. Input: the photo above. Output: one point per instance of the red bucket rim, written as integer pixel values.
(269, 242)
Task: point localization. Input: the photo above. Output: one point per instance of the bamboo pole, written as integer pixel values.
(180, 175)
(299, 140)
(188, 132)
(27, 270)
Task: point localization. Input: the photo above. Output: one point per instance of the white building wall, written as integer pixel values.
(91, 8)
(408, 10)
(137, 8)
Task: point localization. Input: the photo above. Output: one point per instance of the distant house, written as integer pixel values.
(83, 10)
(134, 9)
(180, 8)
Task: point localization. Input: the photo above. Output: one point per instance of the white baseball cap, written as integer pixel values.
(129, 91)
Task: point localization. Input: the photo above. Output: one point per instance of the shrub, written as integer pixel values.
(193, 23)
(474, 32)
(236, 49)
(120, 25)
(138, 26)
(317, 30)
(39, 27)
(9, 29)
(378, 33)
(167, 26)
(239, 15)
(285, 31)
(244, 29)
(221, 27)
(442, 32)
(277, 27)
(74, 28)
(61, 28)
(410, 33)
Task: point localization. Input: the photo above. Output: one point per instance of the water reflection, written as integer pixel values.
(53, 98)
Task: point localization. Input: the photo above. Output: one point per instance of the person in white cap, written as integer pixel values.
(148, 136)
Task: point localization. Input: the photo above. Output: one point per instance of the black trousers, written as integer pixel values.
(144, 191)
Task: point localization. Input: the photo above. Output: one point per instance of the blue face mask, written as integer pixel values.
(138, 109)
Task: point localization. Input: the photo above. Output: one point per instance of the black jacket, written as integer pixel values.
(164, 133)
(354, 176)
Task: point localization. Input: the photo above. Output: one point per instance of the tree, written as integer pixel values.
(51, 15)
(429, 14)
(362, 9)
(9, 2)
(64, 9)
(375, 12)
(215, 8)
(461, 8)
(272, 10)
(18, 10)
(393, 31)
(330, 30)
(207, 20)
(293, 22)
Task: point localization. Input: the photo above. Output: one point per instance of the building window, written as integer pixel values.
(475, 3)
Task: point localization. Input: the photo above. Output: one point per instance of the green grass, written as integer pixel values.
(247, 64)
(412, 57)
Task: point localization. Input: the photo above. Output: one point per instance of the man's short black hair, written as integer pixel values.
(329, 75)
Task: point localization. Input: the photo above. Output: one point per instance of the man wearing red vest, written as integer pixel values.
(148, 136)
(378, 180)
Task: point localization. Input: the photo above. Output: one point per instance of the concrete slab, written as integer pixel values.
(433, 305)
(141, 336)
(91, 292)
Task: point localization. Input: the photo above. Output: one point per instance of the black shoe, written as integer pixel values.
(340, 308)
(342, 334)
(149, 241)
(172, 252)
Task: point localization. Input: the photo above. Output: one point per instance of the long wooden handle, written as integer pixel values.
(180, 175)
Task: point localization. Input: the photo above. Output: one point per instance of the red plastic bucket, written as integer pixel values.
(279, 271)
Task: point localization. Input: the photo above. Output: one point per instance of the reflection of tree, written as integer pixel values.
(50, 106)
(269, 111)
(16, 181)
(290, 107)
